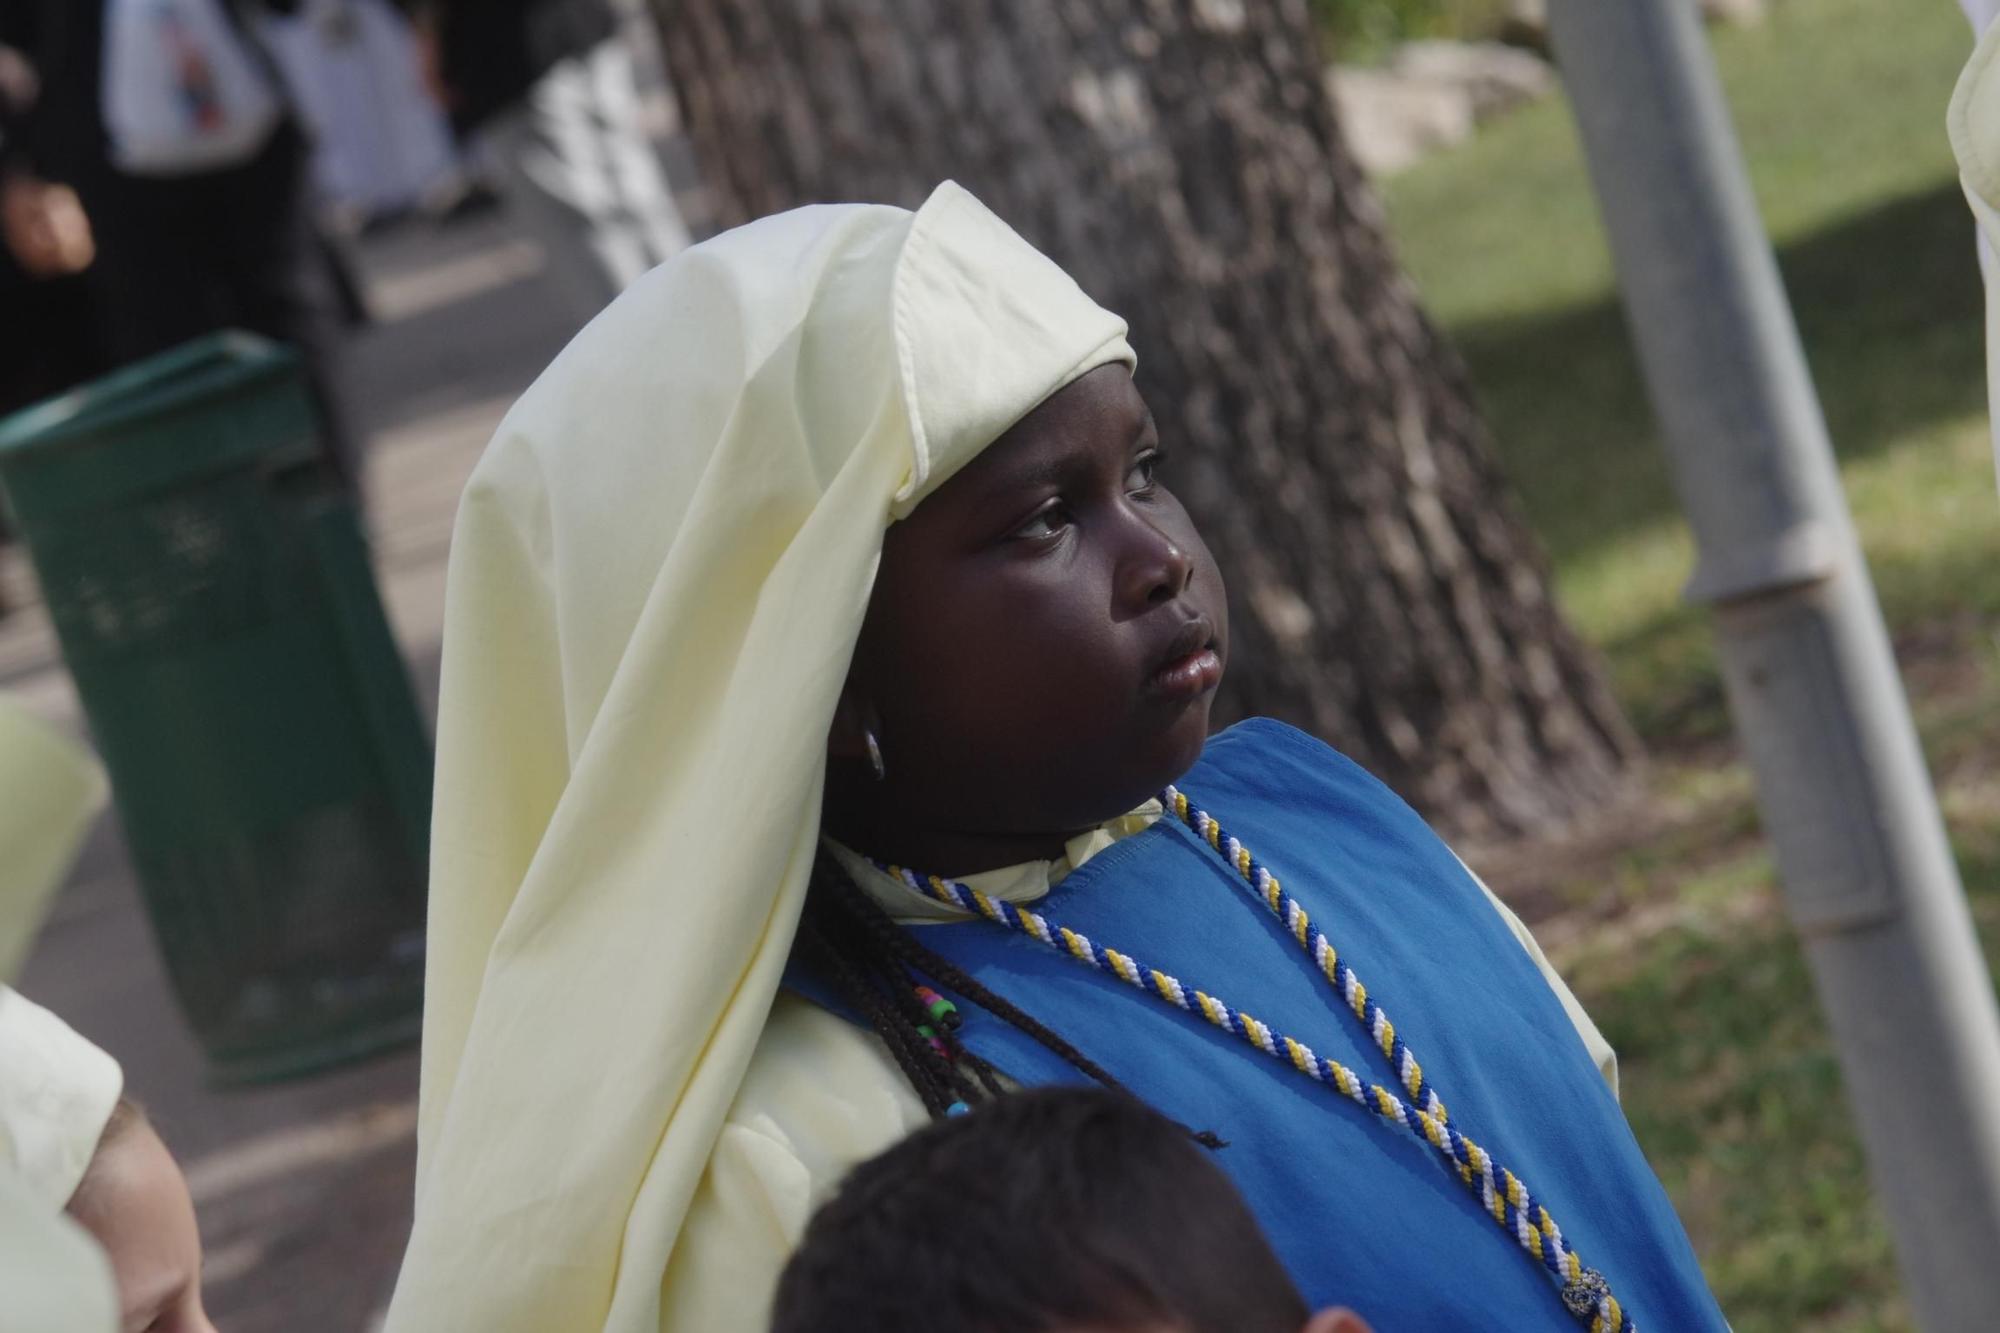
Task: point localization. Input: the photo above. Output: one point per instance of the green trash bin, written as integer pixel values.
(210, 585)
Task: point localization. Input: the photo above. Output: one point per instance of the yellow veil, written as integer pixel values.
(657, 577)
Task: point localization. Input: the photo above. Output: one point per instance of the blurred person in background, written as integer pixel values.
(173, 126)
(381, 145)
(76, 1146)
(49, 339)
(547, 90)
(71, 1143)
(57, 1094)
(134, 1202)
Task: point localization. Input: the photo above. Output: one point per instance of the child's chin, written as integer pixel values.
(1182, 741)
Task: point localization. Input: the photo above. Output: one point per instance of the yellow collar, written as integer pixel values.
(1022, 883)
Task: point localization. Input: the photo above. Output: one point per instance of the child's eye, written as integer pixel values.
(1044, 523)
(1144, 471)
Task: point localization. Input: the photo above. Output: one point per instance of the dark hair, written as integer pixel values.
(873, 965)
(1054, 1206)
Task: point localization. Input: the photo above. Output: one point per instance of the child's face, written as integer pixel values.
(1047, 629)
(137, 1207)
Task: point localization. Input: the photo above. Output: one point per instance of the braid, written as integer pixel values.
(914, 1013)
(908, 950)
(868, 959)
(869, 1001)
(880, 988)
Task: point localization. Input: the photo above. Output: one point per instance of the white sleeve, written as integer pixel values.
(55, 1278)
(820, 1096)
(56, 1093)
(1600, 1050)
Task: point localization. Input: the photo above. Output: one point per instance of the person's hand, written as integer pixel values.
(19, 84)
(45, 227)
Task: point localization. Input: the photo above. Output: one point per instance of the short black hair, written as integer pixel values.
(1045, 1208)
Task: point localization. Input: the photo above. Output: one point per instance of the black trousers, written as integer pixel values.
(183, 256)
(50, 339)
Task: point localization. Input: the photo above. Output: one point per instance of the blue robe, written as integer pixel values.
(1361, 1213)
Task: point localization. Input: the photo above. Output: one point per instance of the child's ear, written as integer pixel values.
(1337, 1320)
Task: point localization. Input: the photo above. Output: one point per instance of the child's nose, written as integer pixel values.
(1156, 570)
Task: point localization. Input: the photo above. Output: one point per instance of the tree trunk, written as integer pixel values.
(1181, 159)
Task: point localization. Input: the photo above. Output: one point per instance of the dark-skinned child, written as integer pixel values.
(824, 750)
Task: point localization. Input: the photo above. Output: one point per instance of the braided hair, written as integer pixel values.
(873, 966)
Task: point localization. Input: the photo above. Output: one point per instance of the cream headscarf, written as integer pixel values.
(658, 574)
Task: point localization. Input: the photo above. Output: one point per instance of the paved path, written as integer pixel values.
(303, 1188)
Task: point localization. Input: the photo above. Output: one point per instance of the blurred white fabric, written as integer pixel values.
(56, 1089)
(1973, 122)
(56, 1094)
(381, 142)
(1982, 13)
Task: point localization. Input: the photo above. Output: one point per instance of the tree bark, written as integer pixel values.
(1181, 159)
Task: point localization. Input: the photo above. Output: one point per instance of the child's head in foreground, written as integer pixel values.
(134, 1202)
(1059, 1210)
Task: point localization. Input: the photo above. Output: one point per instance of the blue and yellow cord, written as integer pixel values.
(1502, 1195)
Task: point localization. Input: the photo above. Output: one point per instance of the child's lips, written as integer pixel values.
(1189, 677)
(1189, 664)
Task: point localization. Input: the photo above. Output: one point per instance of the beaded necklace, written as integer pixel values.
(1502, 1195)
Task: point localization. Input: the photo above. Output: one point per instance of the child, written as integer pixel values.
(72, 1144)
(57, 1090)
(837, 554)
(940, 1231)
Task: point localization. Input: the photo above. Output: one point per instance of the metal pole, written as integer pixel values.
(1868, 874)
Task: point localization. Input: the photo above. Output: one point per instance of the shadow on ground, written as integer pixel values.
(1888, 305)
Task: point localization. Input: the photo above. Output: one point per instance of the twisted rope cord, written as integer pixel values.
(1502, 1195)
(1316, 945)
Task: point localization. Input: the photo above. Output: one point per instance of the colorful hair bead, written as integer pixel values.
(940, 1009)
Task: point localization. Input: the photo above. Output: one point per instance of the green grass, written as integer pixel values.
(1673, 932)
(1363, 31)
